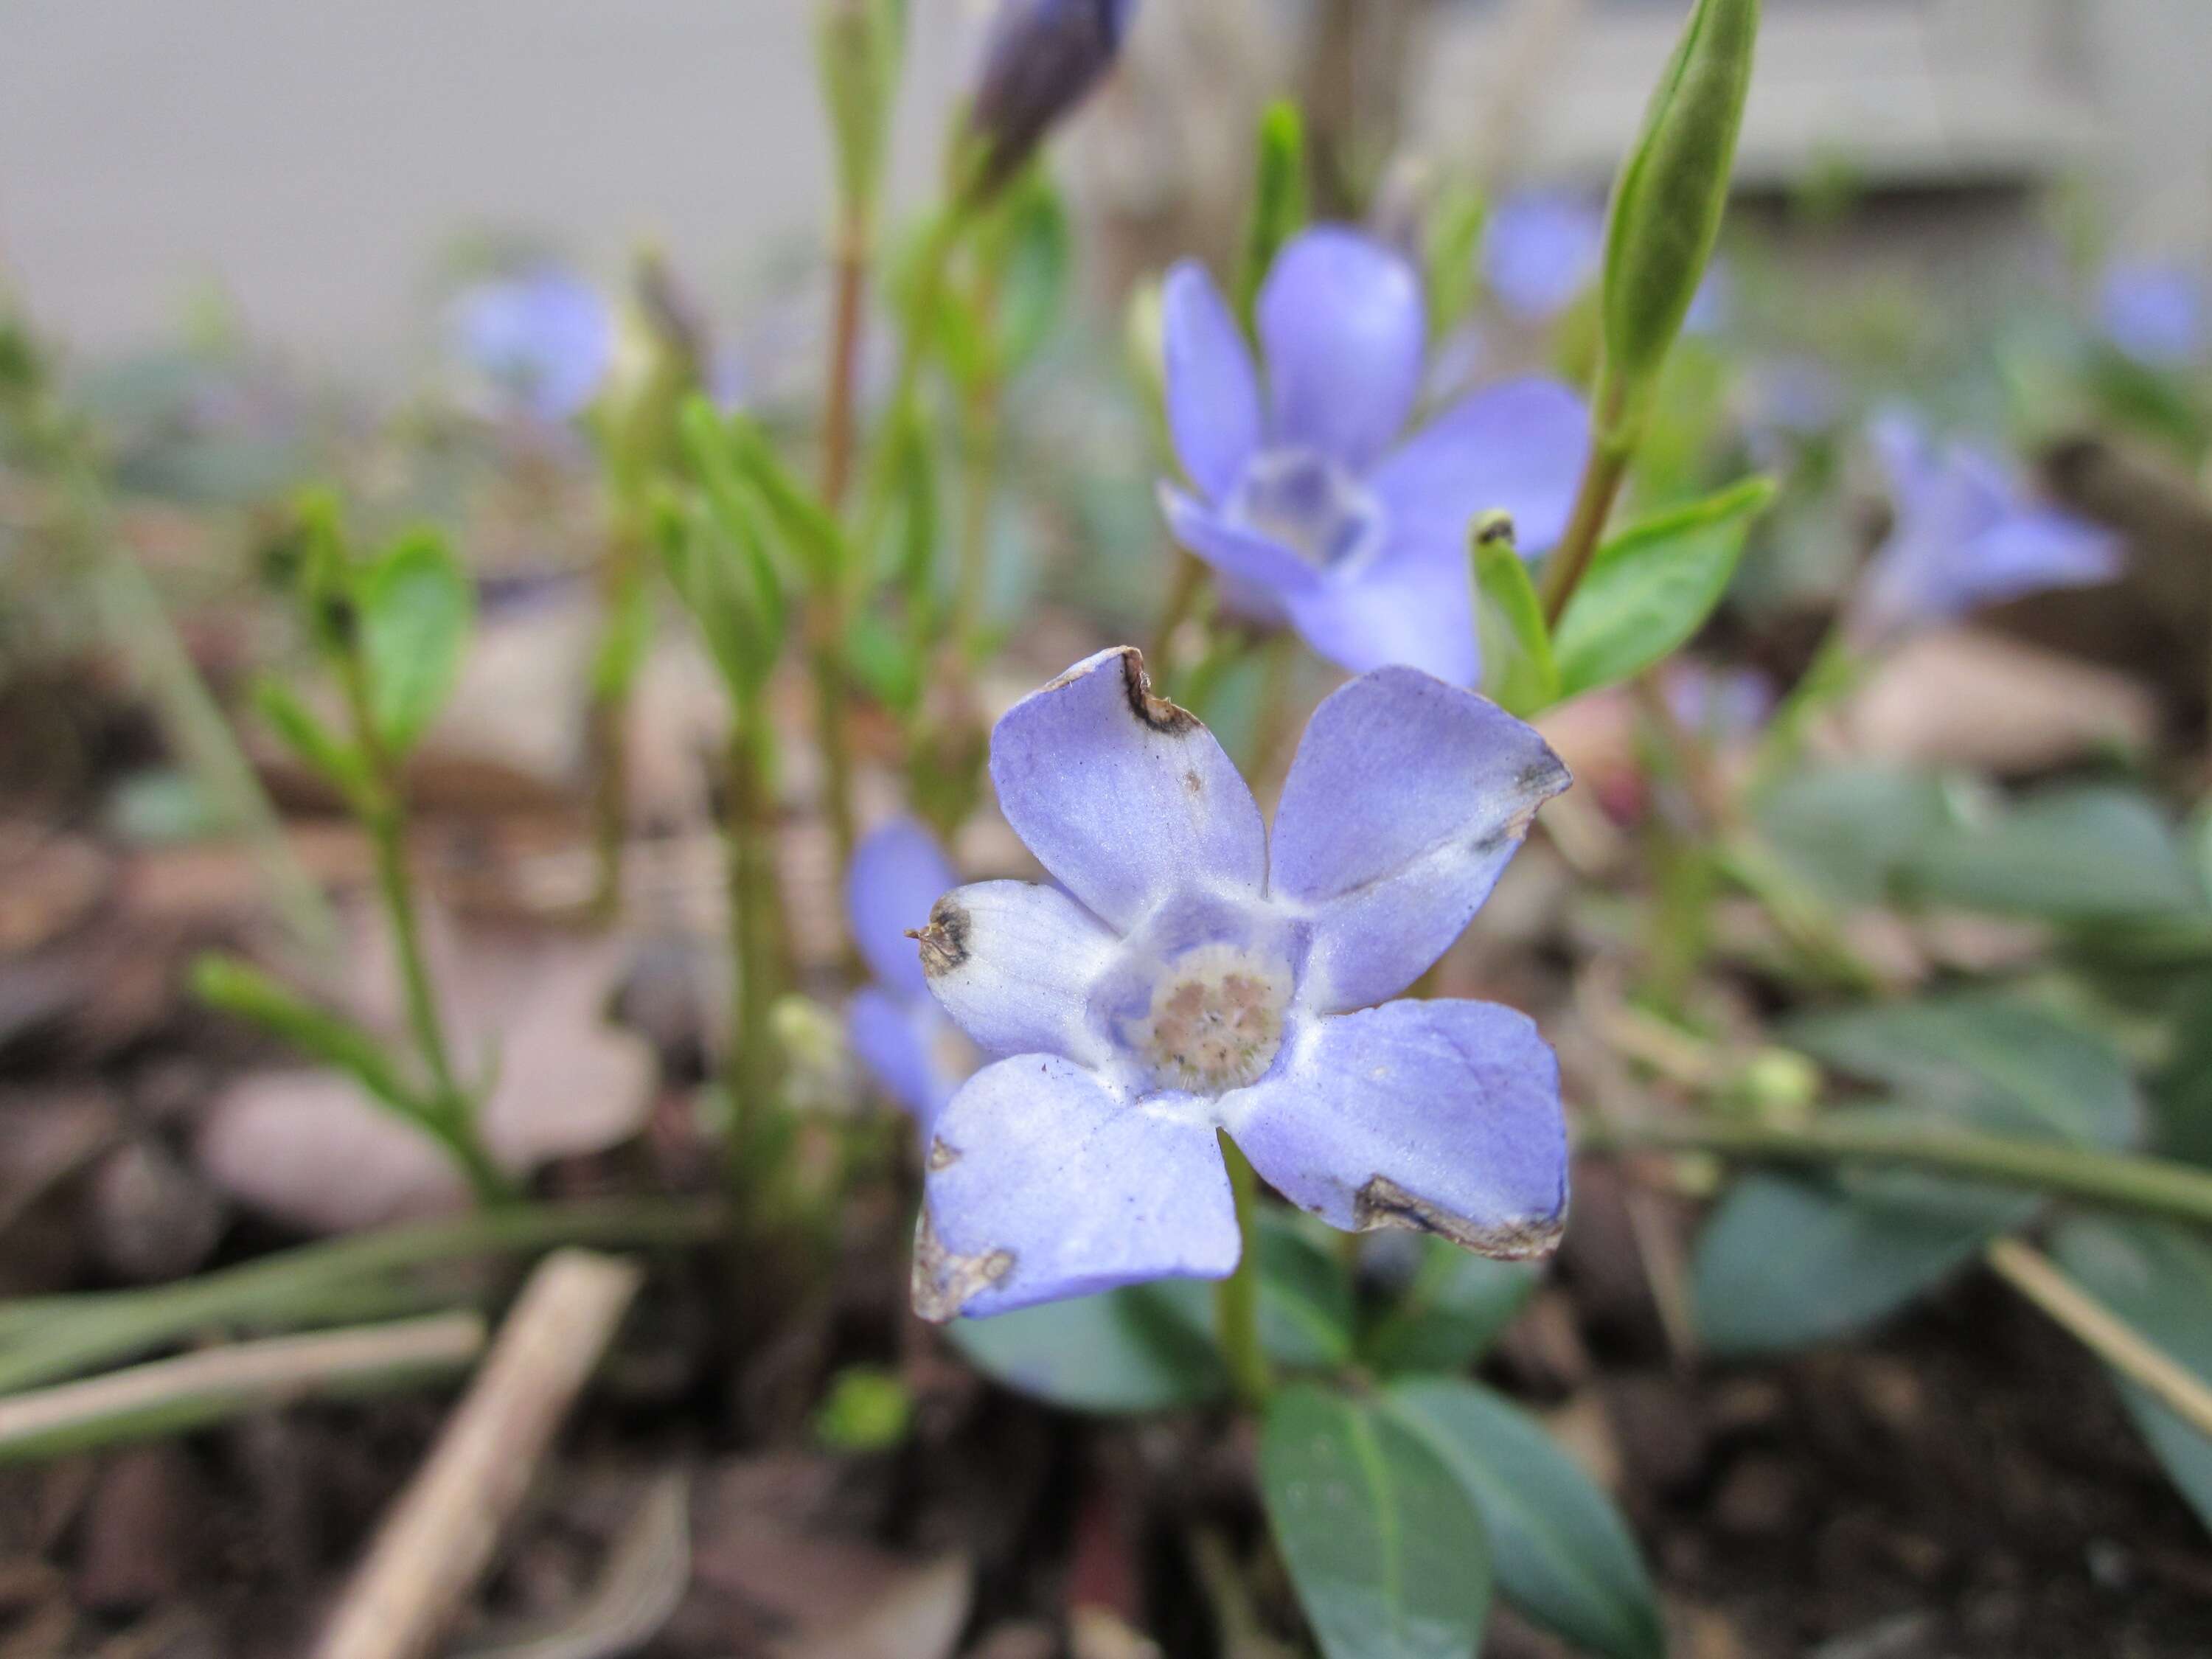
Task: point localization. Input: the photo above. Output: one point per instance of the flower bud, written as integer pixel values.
(1667, 202)
(859, 44)
(1042, 59)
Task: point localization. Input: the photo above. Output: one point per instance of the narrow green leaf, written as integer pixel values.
(1383, 1545)
(1652, 587)
(1035, 262)
(1518, 670)
(2159, 1279)
(1563, 1555)
(623, 645)
(1457, 1305)
(321, 749)
(1279, 205)
(238, 988)
(1143, 1349)
(416, 606)
(2072, 855)
(1998, 1060)
(804, 523)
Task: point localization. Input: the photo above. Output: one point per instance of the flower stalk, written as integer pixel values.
(1236, 1298)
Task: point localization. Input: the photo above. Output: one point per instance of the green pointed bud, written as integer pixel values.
(858, 48)
(660, 352)
(1666, 205)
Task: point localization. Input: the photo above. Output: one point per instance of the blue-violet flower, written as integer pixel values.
(1540, 249)
(1190, 975)
(2153, 313)
(1308, 506)
(1967, 534)
(916, 1055)
(545, 338)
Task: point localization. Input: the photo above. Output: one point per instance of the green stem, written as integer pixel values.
(979, 456)
(2121, 1181)
(757, 944)
(621, 573)
(1236, 1298)
(1603, 474)
(932, 265)
(1834, 672)
(293, 1287)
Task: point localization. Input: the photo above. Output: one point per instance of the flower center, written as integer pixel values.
(1216, 1021)
(1305, 502)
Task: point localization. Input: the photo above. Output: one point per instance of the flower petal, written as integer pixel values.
(1045, 1182)
(1013, 964)
(1243, 557)
(1415, 608)
(2038, 549)
(1212, 392)
(905, 1046)
(1406, 801)
(1517, 447)
(1442, 1117)
(898, 872)
(1343, 327)
(1122, 796)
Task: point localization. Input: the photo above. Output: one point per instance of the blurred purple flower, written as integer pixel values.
(1041, 59)
(2152, 312)
(1540, 249)
(915, 1055)
(1967, 534)
(1190, 975)
(1722, 705)
(545, 338)
(1305, 506)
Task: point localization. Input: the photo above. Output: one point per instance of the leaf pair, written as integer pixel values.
(1395, 1513)
(1647, 592)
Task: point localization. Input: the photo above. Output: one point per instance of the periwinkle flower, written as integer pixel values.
(1041, 58)
(1722, 705)
(1540, 250)
(1309, 506)
(1967, 534)
(2152, 312)
(916, 1055)
(1192, 975)
(545, 338)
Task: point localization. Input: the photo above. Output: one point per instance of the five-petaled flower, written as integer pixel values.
(1967, 534)
(1191, 974)
(1306, 508)
(916, 1055)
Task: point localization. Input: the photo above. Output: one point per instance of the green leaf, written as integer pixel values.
(729, 586)
(1385, 1548)
(416, 606)
(2070, 855)
(623, 647)
(1562, 1552)
(1998, 1060)
(1142, 1349)
(1306, 1310)
(238, 988)
(2182, 1090)
(1455, 1308)
(1518, 670)
(1783, 1263)
(1846, 831)
(318, 747)
(1280, 204)
(1653, 586)
(2159, 1279)
(1034, 258)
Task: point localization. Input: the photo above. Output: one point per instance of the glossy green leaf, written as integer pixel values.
(1457, 1305)
(1519, 672)
(1562, 1553)
(1652, 587)
(1386, 1550)
(1999, 1061)
(2069, 855)
(241, 989)
(1783, 1263)
(318, 747)
(1141, 1349)
(1846, 831)
(417, 607)
(2159, 1279)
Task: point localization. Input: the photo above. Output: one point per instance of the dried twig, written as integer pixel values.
(170, 1396)
(439, 1538)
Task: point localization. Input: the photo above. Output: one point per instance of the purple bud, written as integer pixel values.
(1042, 59)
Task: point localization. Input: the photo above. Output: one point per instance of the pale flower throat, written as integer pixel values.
(1216, 1021)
